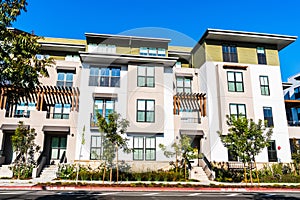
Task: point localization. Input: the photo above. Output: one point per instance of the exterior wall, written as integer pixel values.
(247, 55)
(213, 52)
(272, 57)
(198, 56)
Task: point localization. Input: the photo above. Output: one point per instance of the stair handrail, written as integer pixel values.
(206, 165)
(63, 158)
(41, 165)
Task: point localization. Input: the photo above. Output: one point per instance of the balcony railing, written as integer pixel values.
(294, 123)
(191, 120)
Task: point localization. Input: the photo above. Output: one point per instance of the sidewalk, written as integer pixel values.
(211, 186)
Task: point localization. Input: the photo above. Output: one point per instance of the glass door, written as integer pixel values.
(58, 146)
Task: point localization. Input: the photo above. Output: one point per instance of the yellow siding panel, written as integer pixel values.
(247, 55)
(214, 53)
(123, 50)
(199, 56)
(272, 57)
(62, 40)
(135, 51)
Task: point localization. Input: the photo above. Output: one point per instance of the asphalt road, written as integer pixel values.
(57, 195)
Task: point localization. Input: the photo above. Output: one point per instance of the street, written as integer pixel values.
(114, 195)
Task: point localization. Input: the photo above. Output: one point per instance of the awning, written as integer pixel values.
(191, 132)
(11, 127)
(105, 95)
(184, 74)
(65, 129)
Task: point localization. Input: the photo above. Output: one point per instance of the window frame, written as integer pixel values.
(150, 148)
(96, 147)
(65, 82)
(261, 57)
(272, 150)
(264, 87)
(146, 76)
(138, 148)
(235, 82)
(98, 78)
(184, 87)
(297, 92)
(270, 122)
(104, 106)
(228, 54)
(145, 111)
(237, 108)
(62, 114)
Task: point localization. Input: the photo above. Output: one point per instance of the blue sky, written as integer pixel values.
(182, 21)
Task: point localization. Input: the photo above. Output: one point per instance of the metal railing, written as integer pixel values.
(191, 120)
(293, 123)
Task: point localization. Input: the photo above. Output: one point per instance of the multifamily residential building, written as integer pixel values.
(292, 104)
(163, 91)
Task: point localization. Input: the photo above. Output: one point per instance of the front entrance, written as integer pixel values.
(58, 147)
(55, 147)
(7, 147)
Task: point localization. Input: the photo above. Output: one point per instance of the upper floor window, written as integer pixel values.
(150, 51)
(145, 110)
(235, 81)
(102, 48)
(297, 92)
(261, 55)
(264, 85)
(104, 77)
(229, 53)
(145, 76)
(61, 111)
(23, 109)
(104, 107)
(268, 116)
(237, 110)
(184, 84)
(64, 79)
(72, 58)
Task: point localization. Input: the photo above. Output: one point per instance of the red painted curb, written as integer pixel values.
(145, 189)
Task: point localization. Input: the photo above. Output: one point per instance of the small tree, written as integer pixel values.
(112, 130)
(25, 148)
(296, 156)
(246, 139)
(182, 151)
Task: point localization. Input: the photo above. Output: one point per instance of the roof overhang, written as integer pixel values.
(62, 47)
(286, 85)
(126, 59)
(65, 129)
(191, 132)
(125, 37)
(281, 41)
(11, 127)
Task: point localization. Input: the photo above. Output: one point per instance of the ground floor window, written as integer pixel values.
(95, 152)
(272, 153)
(144, 148)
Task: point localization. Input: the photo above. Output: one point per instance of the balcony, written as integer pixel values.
(294, 123)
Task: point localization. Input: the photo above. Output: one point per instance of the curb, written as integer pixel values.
(145, 189)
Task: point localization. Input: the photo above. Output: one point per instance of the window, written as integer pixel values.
(229, 53)
(294, 145)
(75, 58)
(144, 146)
(261, 55)
(104, 77)
(184, 84)
(150, 150)
(58, 147)
(145, 110)
(297, 92)
(61, 111)
(268, 116)
(102, 48)
(235, 81)
(145, 76)
(95, 152)
(264, 85)
(103, 107)
(238, 110)
(138, 148)
(272, 153)
(150, 51)
(64, 79)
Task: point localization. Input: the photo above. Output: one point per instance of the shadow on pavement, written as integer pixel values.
(84, 195)
(266, 196)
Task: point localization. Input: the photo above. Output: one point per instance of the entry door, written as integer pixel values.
(58, 146)
(7, 148)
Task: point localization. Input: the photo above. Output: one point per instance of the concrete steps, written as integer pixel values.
(198, 173)
(48, 174)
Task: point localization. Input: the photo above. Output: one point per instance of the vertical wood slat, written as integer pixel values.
(204, 106)
(1, 98)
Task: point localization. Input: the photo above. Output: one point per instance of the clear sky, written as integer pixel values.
(72, 18)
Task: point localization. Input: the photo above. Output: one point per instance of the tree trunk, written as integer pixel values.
(104, 172)
(256, 172)
(176, 162)
(245, 174)
(251, 179)
(117, 166)
(184, 169)
(110, 175)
